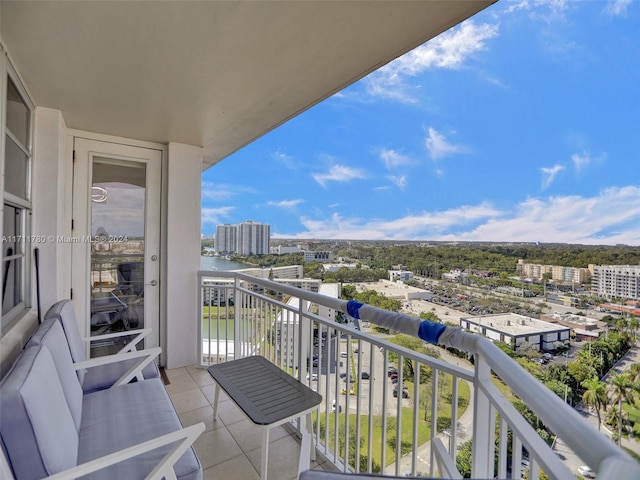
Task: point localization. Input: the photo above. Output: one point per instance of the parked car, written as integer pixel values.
(586, 471)
(343, 354)
(336, 407)
(313, 376)
(405, 394)
(364, 375)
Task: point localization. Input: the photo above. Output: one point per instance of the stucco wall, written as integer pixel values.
(183, 253)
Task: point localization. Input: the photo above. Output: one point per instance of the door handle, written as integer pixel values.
(153, 283)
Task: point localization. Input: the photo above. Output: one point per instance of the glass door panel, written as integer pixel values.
(118, 192)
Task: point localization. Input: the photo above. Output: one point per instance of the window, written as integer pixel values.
(16, 198)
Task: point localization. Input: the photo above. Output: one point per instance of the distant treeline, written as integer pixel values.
(434, 259)
(494, 258)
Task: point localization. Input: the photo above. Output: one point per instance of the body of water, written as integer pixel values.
(220, 263)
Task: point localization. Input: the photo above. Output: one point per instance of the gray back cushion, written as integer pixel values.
(36, 426)
(51, 335)
(66, 314)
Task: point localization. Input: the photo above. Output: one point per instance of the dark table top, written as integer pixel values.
(262, 390)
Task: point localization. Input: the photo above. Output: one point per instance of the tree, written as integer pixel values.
(622, 391)
(633, 325)
(595, 395)
(463, 459)
(581, 371)
(633, 372)
(528, 350)
(430, 316)
(506, 348)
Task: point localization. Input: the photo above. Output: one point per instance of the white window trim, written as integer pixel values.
(13, 316)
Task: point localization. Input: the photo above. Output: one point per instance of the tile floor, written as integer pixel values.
(229, 448)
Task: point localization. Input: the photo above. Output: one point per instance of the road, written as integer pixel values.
(464, 427)
(569, 457)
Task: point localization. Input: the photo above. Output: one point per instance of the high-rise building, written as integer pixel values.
(611, 281)
(226, 238)
(247, 238)
(253, 238)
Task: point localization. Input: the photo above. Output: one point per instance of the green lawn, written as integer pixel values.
(424, 430)
(228, 323)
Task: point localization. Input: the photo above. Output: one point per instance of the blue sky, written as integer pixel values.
(521, 124)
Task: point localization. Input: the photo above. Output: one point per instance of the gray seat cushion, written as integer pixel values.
(64, 312)
(96, 378)
(124, 416)
(51, 335)
(37, 429)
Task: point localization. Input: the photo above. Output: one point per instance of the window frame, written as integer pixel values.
(23, 205)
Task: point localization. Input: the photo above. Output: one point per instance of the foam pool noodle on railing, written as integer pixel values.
(399, 322)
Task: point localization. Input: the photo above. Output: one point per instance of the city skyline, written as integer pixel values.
(519, 125)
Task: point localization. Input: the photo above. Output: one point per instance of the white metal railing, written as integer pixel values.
(361, 425)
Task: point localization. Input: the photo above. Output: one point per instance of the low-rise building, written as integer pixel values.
(516, 329)
(395, 290)
(318, 256)
(334, 267)
(456, 276)
(557, 273)
(400, 275)
(584, 328)
(284, 250)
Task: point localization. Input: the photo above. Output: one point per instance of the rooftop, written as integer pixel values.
(514, 324)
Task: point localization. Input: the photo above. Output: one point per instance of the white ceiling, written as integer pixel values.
(209, 73)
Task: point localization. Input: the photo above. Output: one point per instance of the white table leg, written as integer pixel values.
(265, 453)
(307, 445)
(215, 402)
(313, 437)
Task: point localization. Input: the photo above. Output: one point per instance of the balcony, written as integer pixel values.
(377, 417)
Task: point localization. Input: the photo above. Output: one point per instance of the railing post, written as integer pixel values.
(303, 338)
(200, 320)
(239, 305)
(481, 464)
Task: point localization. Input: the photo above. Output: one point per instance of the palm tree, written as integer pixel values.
(633, 325)
(633, 372)
(622, 391)
(595, 395)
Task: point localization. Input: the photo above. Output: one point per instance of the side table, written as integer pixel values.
(269, 397)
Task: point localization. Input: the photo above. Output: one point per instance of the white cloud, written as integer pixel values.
(400, 181)
(610, 217)
(288, 204)
(615, 8)
(546, 10)
(339, 173)
(549, 175)
(449, 50)
(285, 159)
(393, 159)
(438, 146)
(216, 215)
(122, 211)
(580, 162)
(424, 225)
(221, 191)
